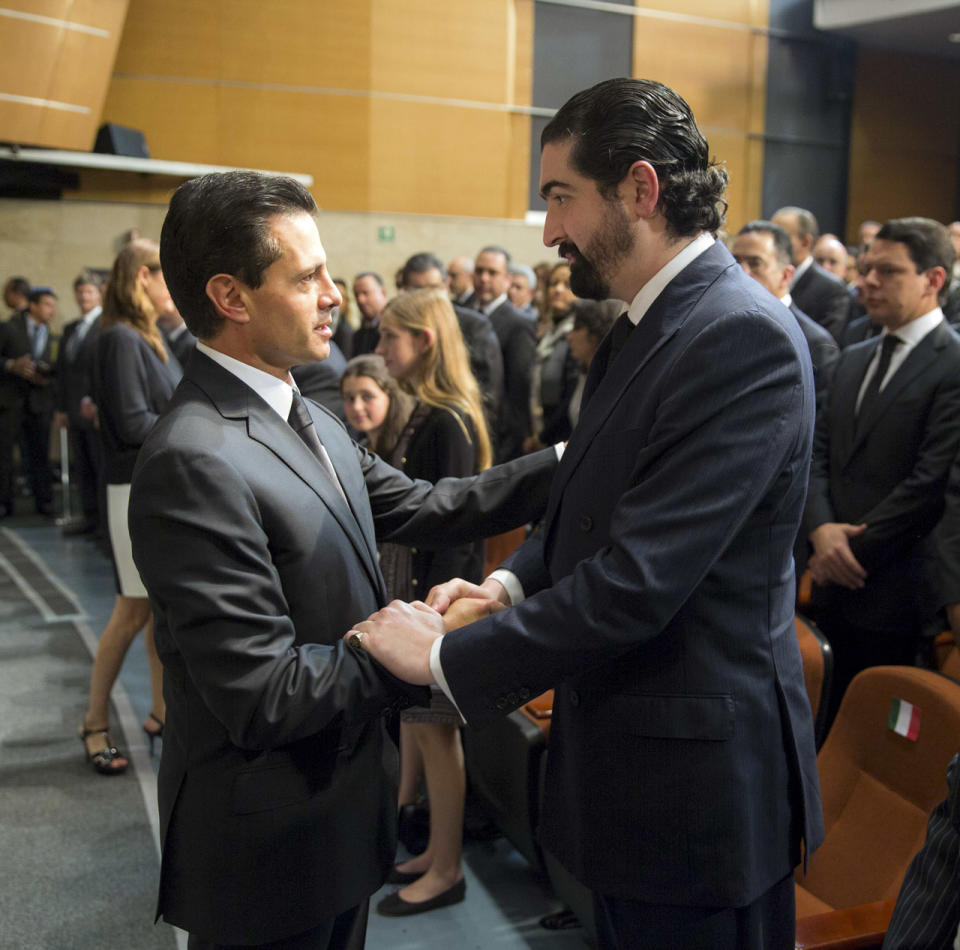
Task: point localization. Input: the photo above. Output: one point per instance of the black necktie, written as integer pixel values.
(302, 424)
(618, 336)
(887, 346)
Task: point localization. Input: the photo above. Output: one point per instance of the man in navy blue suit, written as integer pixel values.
(658, 595)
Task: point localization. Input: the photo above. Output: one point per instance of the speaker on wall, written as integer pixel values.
(121, 140)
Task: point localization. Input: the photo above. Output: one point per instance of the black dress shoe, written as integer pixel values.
(396, 906)
(396, 876)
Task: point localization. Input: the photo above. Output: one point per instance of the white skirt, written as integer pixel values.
(128, 577)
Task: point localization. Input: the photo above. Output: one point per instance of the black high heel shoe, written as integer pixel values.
(153, 734)
(106, 761)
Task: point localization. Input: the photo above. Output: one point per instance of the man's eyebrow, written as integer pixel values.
(550, 185)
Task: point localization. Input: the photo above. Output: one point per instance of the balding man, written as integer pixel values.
(818, 294)
(831, 254)
(460, 280)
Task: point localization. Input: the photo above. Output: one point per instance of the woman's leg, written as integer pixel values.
(129, 615)
(446, 788)
(411, 766)
(158, 708)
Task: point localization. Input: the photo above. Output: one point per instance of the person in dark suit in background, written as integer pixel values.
(253, 517)
(883, 449)
(818, 294)
(321, 381)
(74, 397)
(180, 341)
(342, 327)
(658, 594)
(27, 398)
(517, 335)
(763, 250)
(371, 298)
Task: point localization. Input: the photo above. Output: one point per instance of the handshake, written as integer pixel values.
(401, 636)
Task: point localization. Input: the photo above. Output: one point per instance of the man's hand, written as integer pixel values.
(400, 637)
(443, 595)
(953, 618)
(833, 560)
(24, 367)
(61, 420)
(467, 610)
(88, 409)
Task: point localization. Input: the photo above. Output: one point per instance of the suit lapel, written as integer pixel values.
(235, 400)
(662, 320)
(843, 396)
(920, 357)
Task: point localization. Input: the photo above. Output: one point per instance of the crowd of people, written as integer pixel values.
(477, 363)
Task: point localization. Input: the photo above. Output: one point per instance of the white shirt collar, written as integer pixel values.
(914, 331)
(490, 307)
(277, 393)
(653, 287)
(786, 300)
(92, 315)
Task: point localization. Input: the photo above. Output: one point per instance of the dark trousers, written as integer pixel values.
(10, 418)
(348, 931)
(85, 463)
(769, 923)
(35, 446)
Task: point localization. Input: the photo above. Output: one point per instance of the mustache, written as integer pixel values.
(568, 247)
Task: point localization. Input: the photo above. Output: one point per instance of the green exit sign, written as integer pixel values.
(386, 234)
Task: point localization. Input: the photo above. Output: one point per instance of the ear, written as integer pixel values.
(426, 339)
(788, 271)
(640, 189)
(228, 297)
(936, 278)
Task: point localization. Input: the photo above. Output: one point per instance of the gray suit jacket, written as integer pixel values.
(276, 787)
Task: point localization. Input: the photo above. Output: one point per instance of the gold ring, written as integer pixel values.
(356, 639)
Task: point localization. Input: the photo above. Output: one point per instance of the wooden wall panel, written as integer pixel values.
(752, 12)
(721, 72)
(58, 65)
(904, 138)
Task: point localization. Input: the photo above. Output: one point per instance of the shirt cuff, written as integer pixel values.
(511, 584)
(438, 676)
(558, 447)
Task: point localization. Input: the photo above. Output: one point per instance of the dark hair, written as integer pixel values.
(220, 224)
(36, 293)
(621, 121)
(595, 316)
(928, 243)
(782, 245)
(18, 285)
(371, 366)
(496, 249)
(369, 273)
(87, 277)
(420, 264)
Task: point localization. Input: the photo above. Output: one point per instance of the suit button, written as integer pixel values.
(574, 698)
(413, 550)
(413, 583)
(586, 523)
(501, 702)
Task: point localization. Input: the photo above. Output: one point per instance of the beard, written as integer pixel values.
(592, 269)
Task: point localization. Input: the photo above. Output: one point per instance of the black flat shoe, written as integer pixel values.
(106, 761)
(396, 876)
(396, 906)
(153, 734)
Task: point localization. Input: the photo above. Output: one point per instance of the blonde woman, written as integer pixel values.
(446, 435)
(134, 377)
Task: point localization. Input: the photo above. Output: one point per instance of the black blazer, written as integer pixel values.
(660, 604)
(38, 398)
(132, 386)
(823, 298)
(75, 371)
(824, 352)
(277, 784)
(517, 335)
(486, 361)
(889, 472)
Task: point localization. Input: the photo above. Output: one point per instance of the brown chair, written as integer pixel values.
(947, 655)
(878, 790)
(817, 660)
(500, 547)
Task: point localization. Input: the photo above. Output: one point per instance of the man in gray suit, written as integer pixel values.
(253, 519)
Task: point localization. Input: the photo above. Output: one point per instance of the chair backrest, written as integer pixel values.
(817, 660)
(882, 770)
(951, 664)
(500, 547)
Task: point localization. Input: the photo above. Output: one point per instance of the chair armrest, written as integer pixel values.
(847, 928)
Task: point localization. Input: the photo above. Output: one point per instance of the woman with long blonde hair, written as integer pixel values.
(446, 435)
(134, 377)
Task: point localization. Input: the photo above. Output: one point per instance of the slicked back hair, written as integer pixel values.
(928, 243)
(622, 121)
(220, 224)
(782, 245)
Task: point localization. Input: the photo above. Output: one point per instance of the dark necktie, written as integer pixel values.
(302, 424)
(887, 346)
(622, 329)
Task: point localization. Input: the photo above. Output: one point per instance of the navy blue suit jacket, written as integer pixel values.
(660, 603)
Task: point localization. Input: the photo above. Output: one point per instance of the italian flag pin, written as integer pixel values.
(904, 719)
